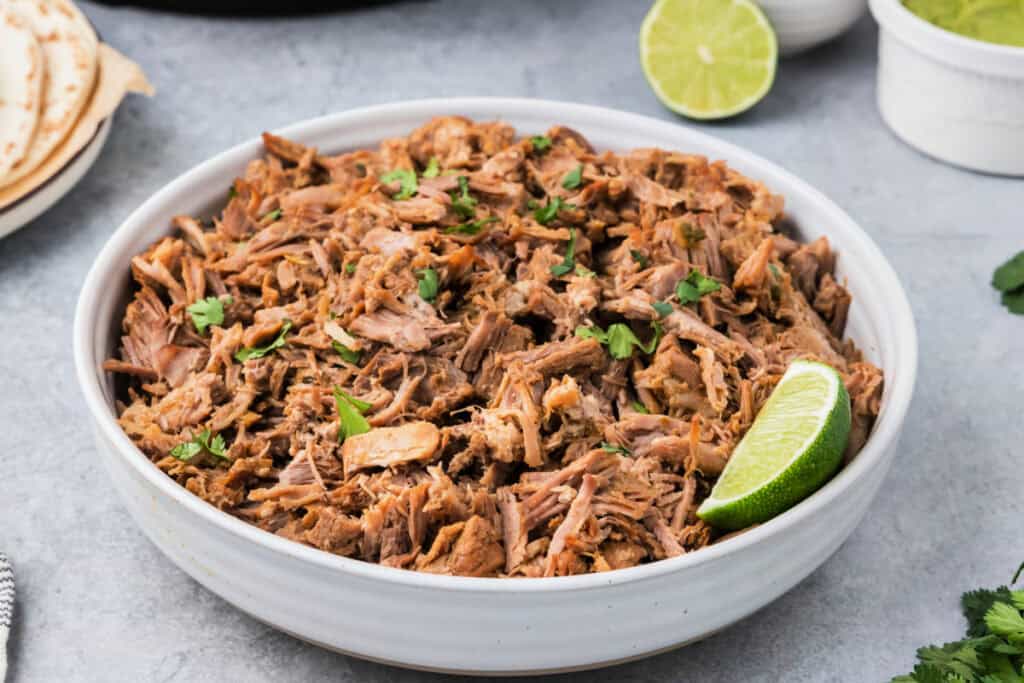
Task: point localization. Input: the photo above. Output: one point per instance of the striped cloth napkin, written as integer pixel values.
(6, 610)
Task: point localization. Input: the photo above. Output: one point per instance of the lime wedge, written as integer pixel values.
(708, 59)
(793, 447)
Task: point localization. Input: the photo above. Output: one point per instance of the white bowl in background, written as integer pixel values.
(802, 24)
(955, 98)
(484, 625)
(28, 208)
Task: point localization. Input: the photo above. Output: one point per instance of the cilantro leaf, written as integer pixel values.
(272, 215)
(1010, 275)
(428, 283)
(462, 203)
(1005, 620)
(569, 262)
(547, 213)
(347, 354)
(615, 448)
(433, 168)
(201, 442)
(573, 178)
(976, 604)
(620, 339)
(691, 234)
(350, 268)
(541, 143)
(640, 408)
(208, 311)
(662, 308)
(583, 271)
(471, 227)
(245, 354)
(639, 257)
(694, 286)
(1014, 301)
(350, 415)
(406, 179)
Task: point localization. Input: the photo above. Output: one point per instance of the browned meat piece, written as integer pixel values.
(499, 442)
(387, 446)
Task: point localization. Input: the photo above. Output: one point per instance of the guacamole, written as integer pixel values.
(993, 21)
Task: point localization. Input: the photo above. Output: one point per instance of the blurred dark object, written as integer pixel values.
(251, 9)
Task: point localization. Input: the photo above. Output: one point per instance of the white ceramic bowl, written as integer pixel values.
(802, 24)
(29, 207)
(957, 99)
(496, 625)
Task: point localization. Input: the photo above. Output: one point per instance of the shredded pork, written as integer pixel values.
(501, 441)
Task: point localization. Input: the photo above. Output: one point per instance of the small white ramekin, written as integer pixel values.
(957, 99)
(802, 24)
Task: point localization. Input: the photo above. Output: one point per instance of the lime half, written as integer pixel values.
(708, 59)
(793, 447)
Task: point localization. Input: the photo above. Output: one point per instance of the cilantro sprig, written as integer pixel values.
(541, 143)
(992, 652)
(350, 415)
(546, 213)
(429, 284)
(201, 442)
(246, 353)
(462, 202)
(208, 311)
(471, 227)
(1009, 279)
(569, 262)
(573, 178)
(694, 286)
(406, 179)
(620, 339)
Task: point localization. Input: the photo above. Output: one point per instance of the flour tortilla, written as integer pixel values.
(70, 59)
(117, 75)
(21, 84)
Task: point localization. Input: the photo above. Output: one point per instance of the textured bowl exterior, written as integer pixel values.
(802, 24)
(957, 99)
(497, 626)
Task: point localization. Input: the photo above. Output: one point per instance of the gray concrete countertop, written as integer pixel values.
(98, 602)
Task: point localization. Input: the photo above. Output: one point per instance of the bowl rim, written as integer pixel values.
(953, 49)
(108, 266)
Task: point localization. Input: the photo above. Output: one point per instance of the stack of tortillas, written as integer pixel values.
(57, 84)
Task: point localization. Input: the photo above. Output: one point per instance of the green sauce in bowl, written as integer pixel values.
(992, 21)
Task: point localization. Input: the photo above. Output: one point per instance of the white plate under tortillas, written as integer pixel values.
(69, 54)
(21, 82)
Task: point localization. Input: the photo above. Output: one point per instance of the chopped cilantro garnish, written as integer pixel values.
(406, 179)
(691, 234)
(620, 339)
(573, 178)
(245, 354)
(433, 168)
(541, 143)
(347, 354)
(1009, 279)
(272, 215)
(695, 286)
(640, 408)
(462, 203)
(350, 415)
(200, 442)
(583, 271)
(569, 262)
(350, 268)
(208, 311)
(232, 193)
(661, 308)
(614, 448)
(639, 257)
(471, 227)
(547, 213)
(428, 283)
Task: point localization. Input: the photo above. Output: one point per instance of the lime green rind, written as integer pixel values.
(756, 72)
(805, 473)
